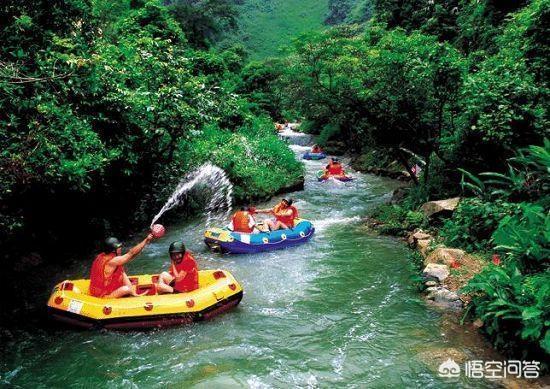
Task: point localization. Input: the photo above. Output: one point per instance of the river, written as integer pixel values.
(340, 310)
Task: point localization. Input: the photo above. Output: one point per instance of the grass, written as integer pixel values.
(268, 25)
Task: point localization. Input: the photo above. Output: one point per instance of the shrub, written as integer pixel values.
(327, 133)
(414, 219)
(257, 162)
(474, 222)
(525, 238)
(396, 220)
(514, 308)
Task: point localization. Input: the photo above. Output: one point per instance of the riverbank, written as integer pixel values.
(444, 273)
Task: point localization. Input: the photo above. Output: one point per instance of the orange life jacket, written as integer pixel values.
(335, 169)
(288, 220)
(241, 221)
(101, 284)
(191, 280)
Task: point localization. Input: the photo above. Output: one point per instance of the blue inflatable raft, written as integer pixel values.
(225, 241)
(314, 156)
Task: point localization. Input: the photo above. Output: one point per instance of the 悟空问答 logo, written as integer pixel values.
(449, 369)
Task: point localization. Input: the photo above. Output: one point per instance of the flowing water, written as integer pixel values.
(339, 311)
(207, 178)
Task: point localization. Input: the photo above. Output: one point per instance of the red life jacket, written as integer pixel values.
(241, 222)
(335, 169)
(316, 150)
(288, 220)
(191, 280)
(102, 284)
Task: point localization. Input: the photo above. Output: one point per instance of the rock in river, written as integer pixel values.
(445, 255)
(435, 270)
(443, 297)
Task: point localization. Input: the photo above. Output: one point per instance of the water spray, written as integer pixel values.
(214, 179)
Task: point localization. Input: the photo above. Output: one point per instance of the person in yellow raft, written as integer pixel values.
(285, 214)
(108, 279)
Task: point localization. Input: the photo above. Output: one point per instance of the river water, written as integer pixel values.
(340, 310)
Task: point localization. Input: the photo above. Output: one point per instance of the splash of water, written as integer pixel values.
(208, 178)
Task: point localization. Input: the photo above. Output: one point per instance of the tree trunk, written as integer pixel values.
(404, 162)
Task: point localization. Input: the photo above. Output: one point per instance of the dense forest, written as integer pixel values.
(459, 88)
(104, 108)
(105, 105)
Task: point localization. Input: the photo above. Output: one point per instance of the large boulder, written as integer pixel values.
(440, 207)
(417, 235)
(443, 297)
(445, 256)
(423, 245)
(436, 271)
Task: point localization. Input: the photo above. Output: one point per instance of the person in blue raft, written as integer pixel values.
(245, 236)
(285, 214)
(316, 153)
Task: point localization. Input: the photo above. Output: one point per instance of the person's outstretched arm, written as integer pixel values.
(264, 211)
(132, 253)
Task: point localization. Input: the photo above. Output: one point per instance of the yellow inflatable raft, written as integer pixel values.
(71, 303)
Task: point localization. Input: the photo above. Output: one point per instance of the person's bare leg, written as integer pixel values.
(262, 227)
(163, 285)
(270, 225)
(280, 225)
(126, 279)
(121, 292)
(132, 287)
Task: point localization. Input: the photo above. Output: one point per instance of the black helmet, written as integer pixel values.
(288, 201)
(111, 244)
(177, 247)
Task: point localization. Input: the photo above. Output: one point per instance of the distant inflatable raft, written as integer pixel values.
(321, 177)
(314, 156)
(226, 241)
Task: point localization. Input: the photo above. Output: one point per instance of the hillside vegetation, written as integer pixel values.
(266, 26)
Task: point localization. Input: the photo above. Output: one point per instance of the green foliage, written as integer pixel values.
(473, 223)
(512, 299)
(204, 21)
(481, 22)
(382, 89)
(397, 220)
(502, 107)
(101, 106)
(514, 308)
(258, 163)
(264, 27)
(259, 84)
(348, 11)
(524, 238)
(327, 133)
(527, 177)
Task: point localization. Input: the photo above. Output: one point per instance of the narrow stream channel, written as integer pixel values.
(340, 310)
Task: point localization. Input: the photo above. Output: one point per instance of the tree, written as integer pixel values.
(203, 21)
